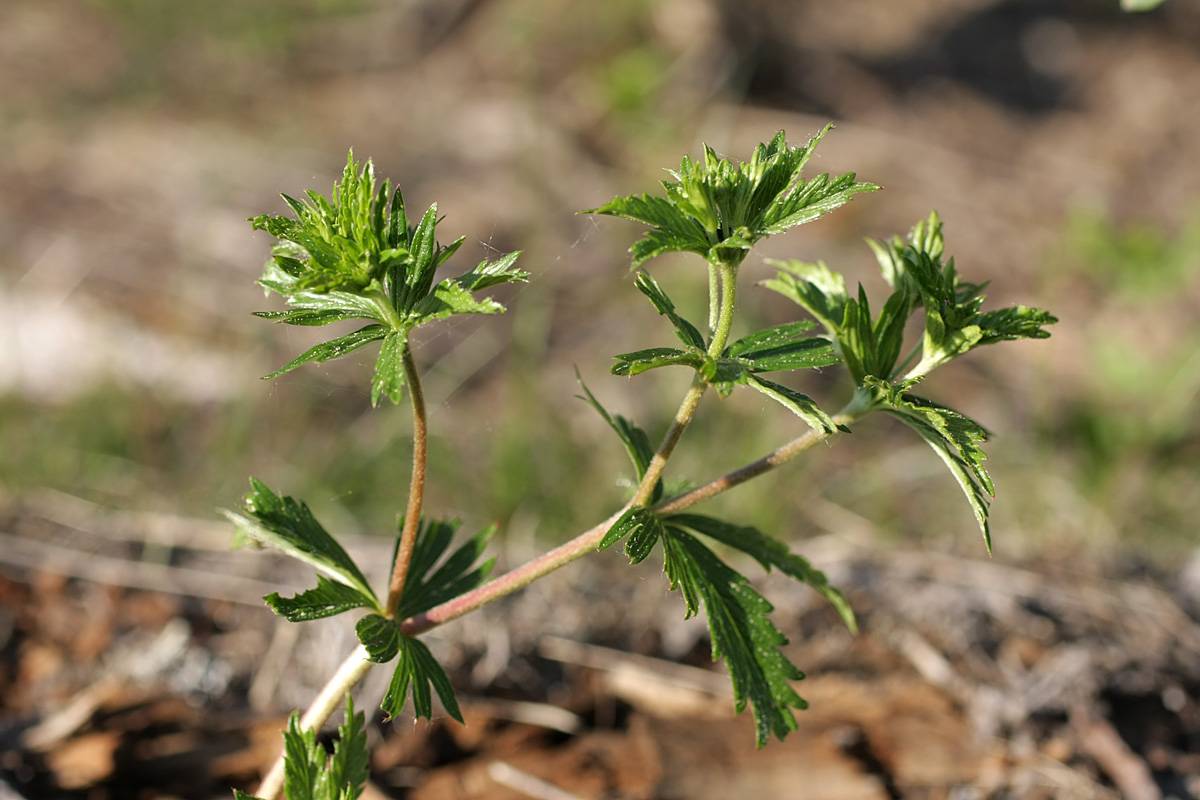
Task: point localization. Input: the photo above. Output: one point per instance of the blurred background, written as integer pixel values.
(1056, 139)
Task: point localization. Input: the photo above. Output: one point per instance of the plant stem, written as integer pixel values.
(510, 582)
(416, 490)
(776, 457)
(329, 700)
(687, 409)
(586, 542)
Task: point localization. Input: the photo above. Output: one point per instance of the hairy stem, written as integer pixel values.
(687, 409)
(770, 461)
(510, 582)
(331, 698)
(416, 490)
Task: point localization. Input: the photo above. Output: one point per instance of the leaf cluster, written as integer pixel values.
(313, 774)
(871, 346)
(358, 256)
(435, 574)
(718, 209)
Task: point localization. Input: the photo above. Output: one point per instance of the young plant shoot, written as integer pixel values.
(356, 255)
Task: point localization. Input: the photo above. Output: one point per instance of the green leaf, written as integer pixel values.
(954, 437)
(1012, 323)
(798, 403)
(305, 762)
(326, 600)
(448, 299)
(311, 774)
(356, 257)
(1140, 5)
(815, 287)
(389, 368)
(768, 552)
(380, 636)
(674, 231)
(458, 574)
(954, 324)
(418, 669)
(653, 357)
(636, 442)
(491, 273)
(642, 526)
(812, 200)
(369, 304)
(719, 210)
(334, 348)
(686, 331)
(741, 632)
(348, 766)
(783, 348)
(289, 526)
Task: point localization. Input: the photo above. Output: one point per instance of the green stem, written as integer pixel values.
(416, 489)
(714, 296)
(778, 456)
(687, 409)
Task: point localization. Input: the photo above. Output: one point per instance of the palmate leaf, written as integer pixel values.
(720, 210)
(349, 763)
(426, 587)
(954, 437)
(642, 526)
(388, 378)
(673, 230)
(814, 287)
(867, 346)
(741, 632)
(312, 774)
(492, 273)
(737, 618)
(954, 323)
(356, 256)
(768, 552)
(380, 636)
(798, 403)
(418, 670)
(288, 525)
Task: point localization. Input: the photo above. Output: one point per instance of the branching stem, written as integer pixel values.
(356, 666)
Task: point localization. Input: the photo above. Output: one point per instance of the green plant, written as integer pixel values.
(357, 256)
